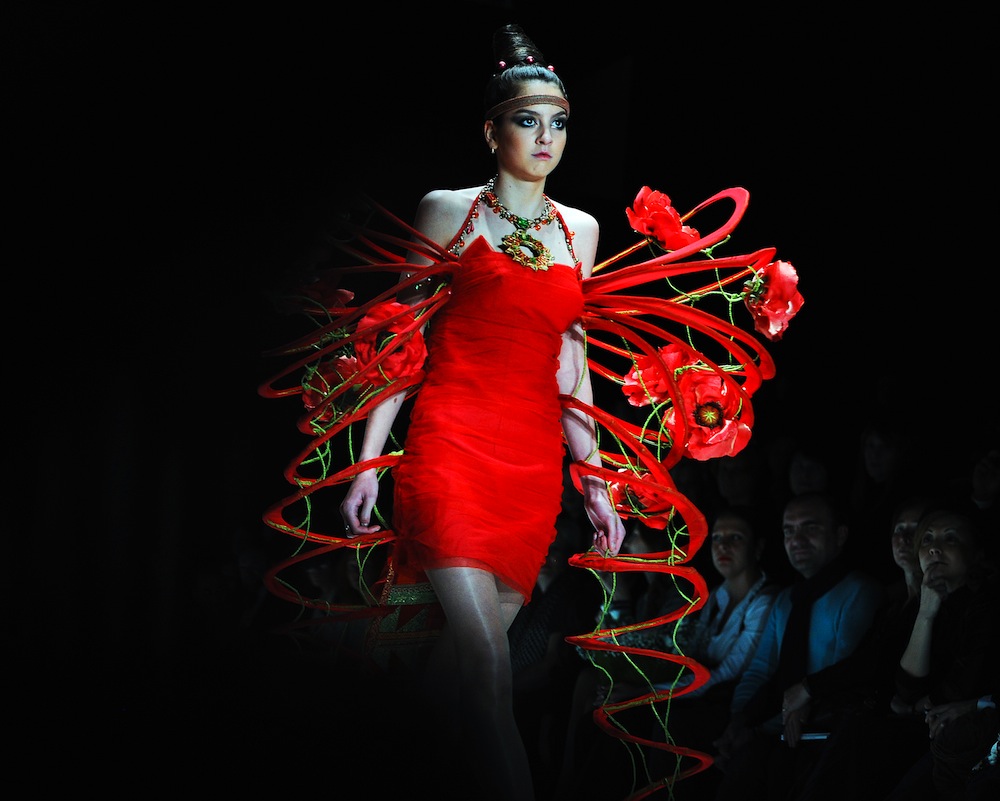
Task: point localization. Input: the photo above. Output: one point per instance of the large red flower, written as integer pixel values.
(712, 415)
(646, 383)
(652, 215)
(773, 298)
(406, 360)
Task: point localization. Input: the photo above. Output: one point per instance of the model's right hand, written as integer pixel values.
(356, 508)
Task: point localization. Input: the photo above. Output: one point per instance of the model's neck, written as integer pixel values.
(523, 198)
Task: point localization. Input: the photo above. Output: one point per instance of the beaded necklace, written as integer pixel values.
(458, 243)
(515, 244)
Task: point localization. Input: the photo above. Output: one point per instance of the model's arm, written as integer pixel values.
(581, 437)
(574, 380)
(435, 217)
(356, 508)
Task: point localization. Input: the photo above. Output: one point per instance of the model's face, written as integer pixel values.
(812, 540)
(733, 549)
(530, 140)
(946, 549)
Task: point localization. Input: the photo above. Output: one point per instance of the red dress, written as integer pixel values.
(480, 480)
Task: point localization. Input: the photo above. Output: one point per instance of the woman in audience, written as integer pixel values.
(934, 643)
(952, 654)
(722, 636)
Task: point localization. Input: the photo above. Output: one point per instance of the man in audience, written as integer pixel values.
(814, 623)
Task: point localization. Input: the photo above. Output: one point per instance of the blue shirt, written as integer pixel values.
(727, 649)
(839, 621)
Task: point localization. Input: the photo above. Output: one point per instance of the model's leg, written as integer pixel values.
(473, 656)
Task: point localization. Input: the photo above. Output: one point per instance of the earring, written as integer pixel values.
(493, 151)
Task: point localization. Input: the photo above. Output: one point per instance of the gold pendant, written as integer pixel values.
(540, 258)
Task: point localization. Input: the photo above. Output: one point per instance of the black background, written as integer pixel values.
(169, 165)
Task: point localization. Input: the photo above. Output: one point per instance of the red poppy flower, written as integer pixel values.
(406, 359)
(712, 414)
(773, 298)
(646, 383)
(652, 215)
(633, 499)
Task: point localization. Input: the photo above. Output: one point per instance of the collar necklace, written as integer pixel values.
(515, 244)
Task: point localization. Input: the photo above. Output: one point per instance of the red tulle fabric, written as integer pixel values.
(480, 480)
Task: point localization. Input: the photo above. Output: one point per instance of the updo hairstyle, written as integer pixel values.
(517, 61)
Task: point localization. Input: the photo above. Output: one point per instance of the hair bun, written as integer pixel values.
(512, 46)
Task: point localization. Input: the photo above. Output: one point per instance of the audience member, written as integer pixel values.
(977, 486)
(634, 597)
(744, 481)
(942, 657)
(862, 684)
(953, 655)
(741, 479)
(885, 473)
(962, 733)
(808, 471)
(725, 632)
(984, 781)
(723, 637)
(799, 464)
(903, 529)
(986, 479)
(814, 623)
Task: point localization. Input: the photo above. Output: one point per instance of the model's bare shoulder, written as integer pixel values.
(444, 200)
(579, 220)
(442, 212)
(586, 233)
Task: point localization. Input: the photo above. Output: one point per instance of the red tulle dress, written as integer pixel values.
(480, 480)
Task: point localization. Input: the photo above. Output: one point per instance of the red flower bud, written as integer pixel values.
(774, 299)
(652, 215)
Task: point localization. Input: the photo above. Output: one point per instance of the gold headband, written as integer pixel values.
(527, 100)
